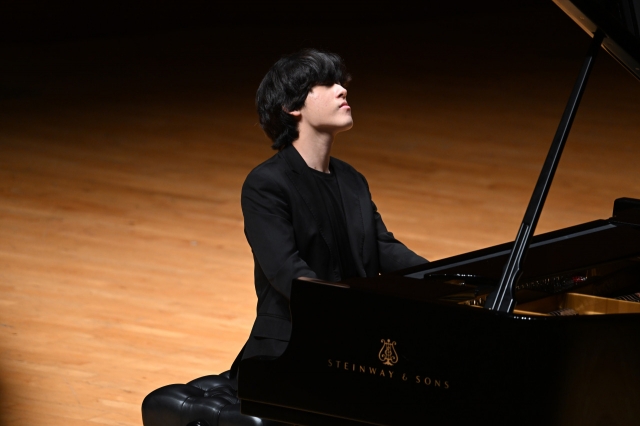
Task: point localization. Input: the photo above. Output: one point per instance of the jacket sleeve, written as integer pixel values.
(392, 254)
(267, 224)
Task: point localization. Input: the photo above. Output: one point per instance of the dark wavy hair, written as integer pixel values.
(286, 86)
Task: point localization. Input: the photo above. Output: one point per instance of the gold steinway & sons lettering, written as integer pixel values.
(387, 373)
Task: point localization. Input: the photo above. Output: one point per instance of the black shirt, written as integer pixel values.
(330, 194)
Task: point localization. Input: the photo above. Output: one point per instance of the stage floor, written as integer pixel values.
(123, 263)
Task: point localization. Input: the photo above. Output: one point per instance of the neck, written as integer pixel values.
(315, 151)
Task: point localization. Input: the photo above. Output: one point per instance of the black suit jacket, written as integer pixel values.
(289, 234)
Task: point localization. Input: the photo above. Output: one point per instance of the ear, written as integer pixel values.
(295, 113)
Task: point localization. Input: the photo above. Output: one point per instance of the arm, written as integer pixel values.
(267, 221)
(392, 254)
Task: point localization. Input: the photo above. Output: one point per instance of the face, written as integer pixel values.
(326, 110)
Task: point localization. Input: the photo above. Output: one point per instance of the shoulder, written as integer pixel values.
(346, 170)
(269, 171)
(266, 184)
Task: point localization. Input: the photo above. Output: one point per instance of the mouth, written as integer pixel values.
(345, 104)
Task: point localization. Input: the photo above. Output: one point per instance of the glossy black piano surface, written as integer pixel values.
(417, 348)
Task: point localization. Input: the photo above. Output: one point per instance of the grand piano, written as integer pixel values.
(544, 330)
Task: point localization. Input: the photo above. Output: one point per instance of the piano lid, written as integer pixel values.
(619, 20)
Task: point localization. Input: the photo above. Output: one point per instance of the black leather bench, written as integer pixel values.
(207, 401)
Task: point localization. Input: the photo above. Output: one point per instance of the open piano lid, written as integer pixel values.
(619, 20)
(615, 25)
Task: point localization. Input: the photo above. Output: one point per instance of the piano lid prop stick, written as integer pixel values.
(503, 297)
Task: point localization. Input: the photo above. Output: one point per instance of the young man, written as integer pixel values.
(307, 214)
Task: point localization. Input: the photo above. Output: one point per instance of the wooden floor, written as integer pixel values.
(123, 264)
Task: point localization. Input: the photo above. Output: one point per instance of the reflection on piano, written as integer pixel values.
(418, 347)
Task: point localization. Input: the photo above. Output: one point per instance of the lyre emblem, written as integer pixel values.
(388, 354)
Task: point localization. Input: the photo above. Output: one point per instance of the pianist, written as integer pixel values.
(307, 214)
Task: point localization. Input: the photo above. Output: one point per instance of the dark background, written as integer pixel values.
(62, 20)
(151, 47)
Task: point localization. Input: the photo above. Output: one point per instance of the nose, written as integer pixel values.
(342, 92)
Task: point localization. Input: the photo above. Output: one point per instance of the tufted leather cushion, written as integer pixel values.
(207, 401)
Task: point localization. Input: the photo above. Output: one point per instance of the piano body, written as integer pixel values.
(396, 350)
(420, 346)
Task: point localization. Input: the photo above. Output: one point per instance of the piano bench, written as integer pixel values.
(207, 401)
